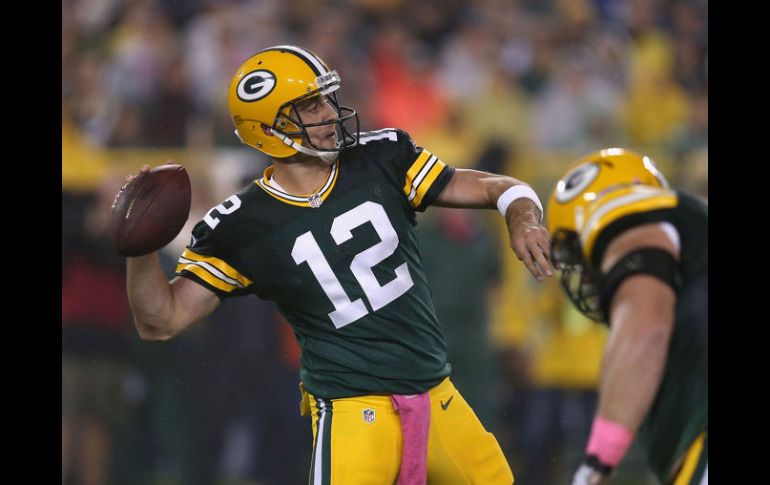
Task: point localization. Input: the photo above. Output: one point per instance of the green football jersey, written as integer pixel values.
(680, 409)
(343, 266)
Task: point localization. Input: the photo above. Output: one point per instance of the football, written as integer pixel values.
(150, 210)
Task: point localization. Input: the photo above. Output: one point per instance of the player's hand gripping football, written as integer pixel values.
(150, 209)
(530, 240)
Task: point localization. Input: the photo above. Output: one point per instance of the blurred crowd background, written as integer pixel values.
(520, 87)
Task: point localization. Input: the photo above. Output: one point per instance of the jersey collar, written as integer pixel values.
(309, 200)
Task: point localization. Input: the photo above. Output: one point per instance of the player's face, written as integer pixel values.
(318, 110)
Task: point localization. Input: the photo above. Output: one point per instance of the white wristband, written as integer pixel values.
(516, 192)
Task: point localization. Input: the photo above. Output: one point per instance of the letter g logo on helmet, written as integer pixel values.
(576, 181)
(255, 85)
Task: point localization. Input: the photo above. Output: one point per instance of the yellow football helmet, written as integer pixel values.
(263, 93)
(596, 189)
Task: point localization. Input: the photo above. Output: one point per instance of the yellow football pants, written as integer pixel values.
(357, 441)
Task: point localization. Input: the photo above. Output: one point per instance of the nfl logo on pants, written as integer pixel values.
(369, 415)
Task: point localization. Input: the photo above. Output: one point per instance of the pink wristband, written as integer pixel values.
(609, 441)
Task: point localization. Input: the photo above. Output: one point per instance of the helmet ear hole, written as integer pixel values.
(265, 129)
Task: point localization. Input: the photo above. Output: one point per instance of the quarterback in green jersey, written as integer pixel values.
(328, 234)
(634, 255)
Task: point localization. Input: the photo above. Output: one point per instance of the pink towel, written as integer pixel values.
(414, 410)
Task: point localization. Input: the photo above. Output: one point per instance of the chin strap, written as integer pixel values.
(329, 156)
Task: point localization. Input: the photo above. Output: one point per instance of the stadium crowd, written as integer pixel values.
(517, 87)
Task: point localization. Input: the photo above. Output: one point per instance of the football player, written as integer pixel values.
(328, 234)
(633, 254)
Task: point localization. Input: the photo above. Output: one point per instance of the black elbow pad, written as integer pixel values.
(653, 261)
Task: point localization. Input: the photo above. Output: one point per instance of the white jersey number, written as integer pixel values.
(235, 204)
(306, 250)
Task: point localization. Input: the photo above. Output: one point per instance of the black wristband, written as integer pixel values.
(593, 462)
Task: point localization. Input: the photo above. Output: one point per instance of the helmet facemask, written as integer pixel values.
(580, 282)
(288, 124)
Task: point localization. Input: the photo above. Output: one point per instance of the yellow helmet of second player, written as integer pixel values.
(263, 93)
(597, 189)
(593, 176)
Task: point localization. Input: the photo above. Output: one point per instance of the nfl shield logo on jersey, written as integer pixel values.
(315, 201)
(369, 415)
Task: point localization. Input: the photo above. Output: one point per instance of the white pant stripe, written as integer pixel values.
(705, 479)
(318, 468)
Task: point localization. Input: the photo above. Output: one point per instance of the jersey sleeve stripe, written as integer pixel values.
(206, 276)
(414, 170)
(221, 269)
(426, 183)
(424, 172)
(421, 176)
(184, 263)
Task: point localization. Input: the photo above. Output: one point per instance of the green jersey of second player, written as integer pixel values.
(680, 409)
(342, 264)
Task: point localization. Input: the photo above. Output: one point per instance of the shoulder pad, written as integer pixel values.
(618, 204)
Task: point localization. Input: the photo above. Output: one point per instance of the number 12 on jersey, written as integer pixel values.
(306, 250)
